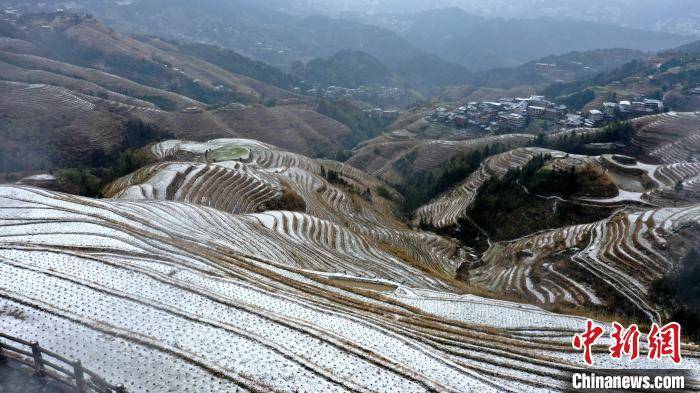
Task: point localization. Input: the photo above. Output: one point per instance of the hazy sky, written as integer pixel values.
(679, 16)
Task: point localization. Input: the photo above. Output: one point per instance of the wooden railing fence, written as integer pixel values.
(49, 364)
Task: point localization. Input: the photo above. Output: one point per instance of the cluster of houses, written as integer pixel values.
(362, 93)
(625, 109)
(517, 113)
(506, 113)
(381, 114)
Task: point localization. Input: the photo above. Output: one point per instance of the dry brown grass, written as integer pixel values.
(594, 182)
(289, 200)
(459, 286)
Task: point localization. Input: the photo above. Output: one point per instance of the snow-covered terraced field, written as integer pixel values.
(488, 312)
(624, 254)
(679, 185)
(449, 207)
(166, 297)
(323, 246)
(297, 239)
(665, 180)
(669, 137)
(685, 172)
(231, 187)
(371, 218)
(261, 154)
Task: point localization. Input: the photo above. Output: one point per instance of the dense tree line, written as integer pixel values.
(621, 132)
(104, 167)
(333, 177)
(426, 185)
(679, 294)
(505, 207)
(362, 127)
(89, 181)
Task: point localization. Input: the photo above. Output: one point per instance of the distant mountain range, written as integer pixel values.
(264, 33)
(482, 43)
(352, 69)
(566, 68)
(426, 48)
(346, 68)
(672, 16)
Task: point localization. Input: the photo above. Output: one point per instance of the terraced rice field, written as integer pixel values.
(685, 172)
(232, 187)
(55, 101)
(590, 264)
(449, 207)
(393, 162)
(261, 154)
(623, 254)
(252, 184)
(445, 210)
(334, 215)
(670, 137)
(665, 181)
(165, 296)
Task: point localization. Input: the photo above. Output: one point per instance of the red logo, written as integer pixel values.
(626, 342)
(587, 339)
(664, 342)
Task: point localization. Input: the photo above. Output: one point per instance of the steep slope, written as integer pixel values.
(111, 79)
(669, 138)
(246, 176)
(77, 126)
(395, 160)
(446, 209)
(265, 31)
(234, 189)
(608, 263)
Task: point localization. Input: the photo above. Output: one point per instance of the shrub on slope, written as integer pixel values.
(679, 294)
(530, 199)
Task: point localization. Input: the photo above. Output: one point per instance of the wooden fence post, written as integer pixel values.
(79, 376)
(38, 361)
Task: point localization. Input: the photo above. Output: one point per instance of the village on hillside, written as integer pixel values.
(536, 113)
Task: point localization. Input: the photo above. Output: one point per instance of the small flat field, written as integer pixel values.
(228, 153)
